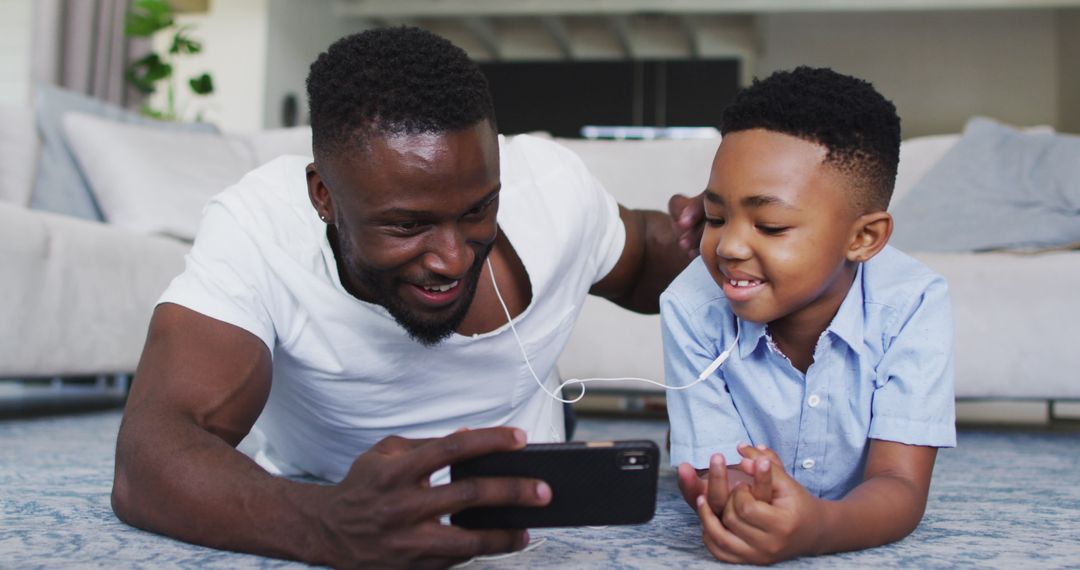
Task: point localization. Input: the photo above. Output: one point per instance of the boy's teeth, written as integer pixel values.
(442, 288)
(741, 282)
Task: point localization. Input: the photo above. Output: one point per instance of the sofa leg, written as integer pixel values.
(1056, 421)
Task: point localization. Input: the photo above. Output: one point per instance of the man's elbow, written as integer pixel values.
(124, 499)
(121, 499)
(123, 504)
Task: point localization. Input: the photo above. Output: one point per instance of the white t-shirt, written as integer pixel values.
(345, 374)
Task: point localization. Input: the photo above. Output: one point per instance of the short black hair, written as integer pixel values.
(393, 81)
(856, 124)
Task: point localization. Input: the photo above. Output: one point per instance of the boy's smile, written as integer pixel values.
(780, 229)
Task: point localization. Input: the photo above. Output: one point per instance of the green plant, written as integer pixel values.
(144, 19)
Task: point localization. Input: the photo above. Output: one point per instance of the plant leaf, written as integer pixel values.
(144, 72)
(185, 44)
(202, 84)
(145, 17)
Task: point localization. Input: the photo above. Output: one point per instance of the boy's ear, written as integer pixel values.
(870, 233)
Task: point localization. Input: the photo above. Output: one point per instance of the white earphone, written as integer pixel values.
(705, 374)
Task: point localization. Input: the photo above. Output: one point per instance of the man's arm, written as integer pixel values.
(199, 387)
(650, 259)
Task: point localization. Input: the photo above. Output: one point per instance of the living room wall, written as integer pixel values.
(938, 67)
(16, 36)
(235, 38)
(1068, 50)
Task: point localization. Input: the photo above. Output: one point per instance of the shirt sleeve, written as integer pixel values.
(611, 234)
(703, 417)
(914, 400)
(224, 277)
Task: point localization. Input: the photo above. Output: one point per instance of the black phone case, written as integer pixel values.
(592, 483)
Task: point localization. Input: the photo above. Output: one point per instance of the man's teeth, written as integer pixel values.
(442, 288)
(742, 282)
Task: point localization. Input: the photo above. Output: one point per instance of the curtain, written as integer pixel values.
(80, 45)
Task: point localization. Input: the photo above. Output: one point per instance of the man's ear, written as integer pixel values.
(319, 195)
(869, 234)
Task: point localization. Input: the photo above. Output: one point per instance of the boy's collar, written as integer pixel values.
(849, 319)
(847, 324)
(750, 335)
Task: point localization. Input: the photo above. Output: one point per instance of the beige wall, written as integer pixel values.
(1068, 60)
(234, 35)
(16, 27)
(298, 33)
(938, 67)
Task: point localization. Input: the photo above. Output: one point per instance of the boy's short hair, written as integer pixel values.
(859, 128)
(400, 80)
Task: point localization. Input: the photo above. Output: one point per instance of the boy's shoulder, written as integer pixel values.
(891, 277)
(896, 286)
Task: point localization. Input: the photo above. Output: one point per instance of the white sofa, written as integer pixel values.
(77, 294)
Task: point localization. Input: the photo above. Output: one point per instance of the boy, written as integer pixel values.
(840, 373)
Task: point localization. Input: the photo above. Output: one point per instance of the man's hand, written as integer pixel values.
(688, 220)
(772, 519)
(385, 513)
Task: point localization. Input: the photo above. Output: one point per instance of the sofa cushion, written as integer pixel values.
(919, 154)
(1015, 190)
(18, 154)
(151, 180)
(645, 173)
(60, 186)
(271, 143)
(76, 296)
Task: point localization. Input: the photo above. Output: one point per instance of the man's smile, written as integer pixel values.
(437, 296)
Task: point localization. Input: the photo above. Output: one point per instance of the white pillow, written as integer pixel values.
(18, 154)
(153, 181)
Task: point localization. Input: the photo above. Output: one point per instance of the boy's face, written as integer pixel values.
(779, 229)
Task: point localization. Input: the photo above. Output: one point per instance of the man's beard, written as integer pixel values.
(383, 290)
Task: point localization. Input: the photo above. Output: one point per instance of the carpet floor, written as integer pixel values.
(1000, 499)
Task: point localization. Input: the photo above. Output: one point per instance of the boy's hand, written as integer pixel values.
(719, 477)
(691, 484)
(750, 529)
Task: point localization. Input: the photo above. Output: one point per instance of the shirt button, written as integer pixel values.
(808, 464)
(813, 400)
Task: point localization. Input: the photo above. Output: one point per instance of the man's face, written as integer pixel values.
(779, 223)
(414, 217)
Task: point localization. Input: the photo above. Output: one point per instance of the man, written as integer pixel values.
(314, 329)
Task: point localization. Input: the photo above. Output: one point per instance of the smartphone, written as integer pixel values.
(594, 483)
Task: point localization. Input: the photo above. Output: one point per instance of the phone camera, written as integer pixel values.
(633, 461)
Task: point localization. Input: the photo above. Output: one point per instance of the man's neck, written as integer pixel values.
(486, 313)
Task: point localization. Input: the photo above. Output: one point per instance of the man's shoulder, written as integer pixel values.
(269, 198)
(535, 156)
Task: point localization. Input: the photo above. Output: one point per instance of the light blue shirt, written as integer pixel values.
(883, 369)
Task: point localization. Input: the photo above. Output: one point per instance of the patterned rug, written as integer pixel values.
(1001, 499)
